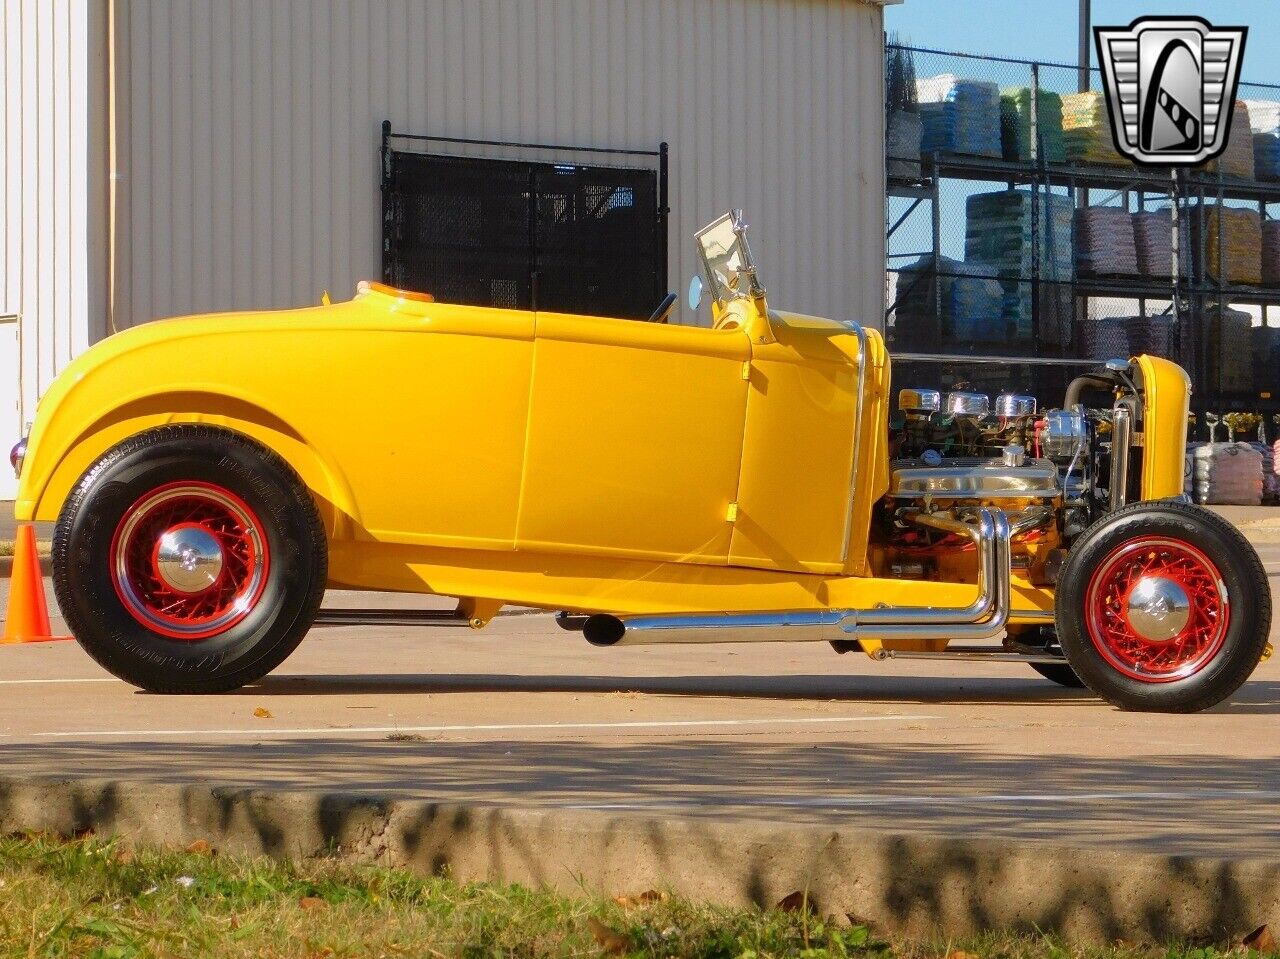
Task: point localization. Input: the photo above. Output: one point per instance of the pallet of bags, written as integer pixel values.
(1228, 343)
(1232, 234)
(1105, 338)
(1266, 156)
(1227, 474)
(975, 298)
(902, 144)
(1271, 252)
(1264, 115)
(1153, 242)
(1015, 125)
(1086, 130)
(1266, 358)
(917, 311)
(1270, 482)
(1104, 242)
(1264, 123)
(1237, 158)
(969, 305)
(1154, 336)
(959, 116)
(998, 229)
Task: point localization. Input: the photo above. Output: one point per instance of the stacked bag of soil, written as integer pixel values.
(998, 234)
(1230, 239)
(959, 116)
(1104, 241)
(1228, 343)
(1266, 357)
(902, 144)
(1153, 239)
(1227, 474)
(1105, 338)
(970, 306)
(1237, 159)
(1271, 252)
(1264, 120)
(1270, 482)
(1154, 336)
(1015, 125)
(1086, 130)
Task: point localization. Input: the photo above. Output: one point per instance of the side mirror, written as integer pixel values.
(695, 292)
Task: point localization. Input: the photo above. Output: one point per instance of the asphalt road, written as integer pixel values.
(523, 714)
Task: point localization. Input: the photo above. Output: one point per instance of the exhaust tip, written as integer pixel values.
(603, 630)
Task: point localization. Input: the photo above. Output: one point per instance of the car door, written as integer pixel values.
(635, 439)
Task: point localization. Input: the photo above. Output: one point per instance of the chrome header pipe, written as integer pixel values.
(984, 618)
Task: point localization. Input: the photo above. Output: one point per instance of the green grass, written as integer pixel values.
(93, 898)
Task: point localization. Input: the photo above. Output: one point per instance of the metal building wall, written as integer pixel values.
(248, 131)
(53, 184)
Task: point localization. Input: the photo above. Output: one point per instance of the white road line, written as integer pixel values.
(837, 802)
(41, 682)
(488, 727)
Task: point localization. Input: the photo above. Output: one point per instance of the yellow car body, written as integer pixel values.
(744, 482)
(547, 460)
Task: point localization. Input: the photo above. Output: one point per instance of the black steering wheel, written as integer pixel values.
(663, 312)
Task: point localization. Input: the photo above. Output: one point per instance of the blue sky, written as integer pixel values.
(1047, 29)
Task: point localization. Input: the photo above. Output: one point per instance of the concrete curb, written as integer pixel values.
(917, 885)
(6, 566)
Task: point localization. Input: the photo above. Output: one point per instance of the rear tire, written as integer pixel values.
(1163, 607)
(189, 559)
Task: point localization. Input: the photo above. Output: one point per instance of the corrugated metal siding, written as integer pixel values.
(248, 131)
(53, 179)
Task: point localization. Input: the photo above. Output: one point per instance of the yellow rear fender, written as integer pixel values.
(70, 444)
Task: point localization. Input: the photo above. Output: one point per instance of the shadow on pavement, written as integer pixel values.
(1257, 696)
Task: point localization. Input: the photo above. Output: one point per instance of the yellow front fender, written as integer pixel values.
(84, 415)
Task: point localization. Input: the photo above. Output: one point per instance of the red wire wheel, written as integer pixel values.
(1157, 609)
(189, 560)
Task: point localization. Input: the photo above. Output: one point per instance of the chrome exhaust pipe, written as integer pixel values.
(984, 618)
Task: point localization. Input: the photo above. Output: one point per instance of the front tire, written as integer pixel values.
(189, 559)
(1163, 607)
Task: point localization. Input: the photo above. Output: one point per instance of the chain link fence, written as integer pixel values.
(1016, 230)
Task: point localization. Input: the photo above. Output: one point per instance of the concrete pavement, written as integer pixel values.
(524, 715)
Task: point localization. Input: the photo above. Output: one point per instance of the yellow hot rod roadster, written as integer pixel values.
(653, 483)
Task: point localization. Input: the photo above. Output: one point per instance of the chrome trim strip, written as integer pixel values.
(857, 435)
(989, 360)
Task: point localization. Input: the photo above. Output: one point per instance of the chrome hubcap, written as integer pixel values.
(188, 559)
(1157, 609)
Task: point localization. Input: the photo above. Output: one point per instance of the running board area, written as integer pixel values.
(390, 617)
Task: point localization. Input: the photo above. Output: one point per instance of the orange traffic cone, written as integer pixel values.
(28, 617)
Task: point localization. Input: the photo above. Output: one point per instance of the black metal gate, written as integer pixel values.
(567, 238)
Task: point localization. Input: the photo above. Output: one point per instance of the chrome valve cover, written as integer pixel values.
(1011, 405)
(968, 404)
(919, 401)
